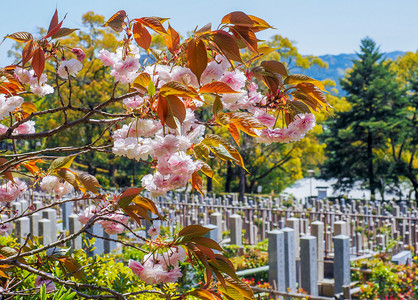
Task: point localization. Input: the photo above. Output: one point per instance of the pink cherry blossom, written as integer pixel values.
(165, 145)
(10, 191)
(79, 53)
(3, 128)
(133, 102)
(49, 284)
(153, 231)
(56, 185)
(235, 79)
(114, 227)
(265, 118)
(23, 75)
(87, 214)
(107, 58)
(185, 76)
(8, 105)
(69, 67)
(25, 128)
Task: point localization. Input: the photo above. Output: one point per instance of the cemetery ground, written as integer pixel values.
(317, 249)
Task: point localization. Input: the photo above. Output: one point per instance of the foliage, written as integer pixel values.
(380, 278)
(357, 140)
(155, 115)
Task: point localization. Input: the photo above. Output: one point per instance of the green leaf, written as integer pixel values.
(217, 106)
(62, 162)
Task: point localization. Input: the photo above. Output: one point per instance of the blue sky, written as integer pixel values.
(317, 26)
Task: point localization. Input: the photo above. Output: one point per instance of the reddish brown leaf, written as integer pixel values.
(146, 203)
(116, 22)
(162, 109)
(141, 36)
(6, 174)
(275, 66)
(128, 195)
(54, 21)
(227, 44)
(32, 167)
(194, 231)
(197, 58)
(237, 18)
(28, 51)
(217, 87)
(62, 32)
(205, 29)
(21, 36)
(259, 24)
(54, 30)
(172, 39)
(247, 36)
(38, 62)
(176, 109)
(233, 130)
(154, 23)
(197, 183)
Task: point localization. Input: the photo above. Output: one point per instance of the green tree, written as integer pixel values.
(403, 132)
(355, 139)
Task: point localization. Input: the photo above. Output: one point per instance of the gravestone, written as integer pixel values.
(308, 263)
(341, 262)
(235, 224)
(51, 215)
(276, 260)
(98, 247)
(34, 226)
(290, 258)
(340, 227)
(67, 210)
(317, 230)
(402, 258)
(108, 245)
(216, 219)
(74, 227)
(22, 229)
(213, 234)
(45, 231)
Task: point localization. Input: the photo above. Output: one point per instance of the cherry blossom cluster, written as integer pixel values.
(56, 185)
(113, 224)
(145, 138)
(294, 132)
(38, 86)
(11, 190)
(161, 267)
(123, 68)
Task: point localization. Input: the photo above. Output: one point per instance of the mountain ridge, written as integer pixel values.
(337, 66)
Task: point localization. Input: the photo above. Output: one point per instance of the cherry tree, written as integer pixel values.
(161, 125)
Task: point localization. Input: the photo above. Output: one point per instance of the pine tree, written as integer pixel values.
(355, 138)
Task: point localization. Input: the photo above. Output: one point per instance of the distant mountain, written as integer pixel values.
(337, 65)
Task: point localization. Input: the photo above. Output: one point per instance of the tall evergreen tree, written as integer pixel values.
(355, 138)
